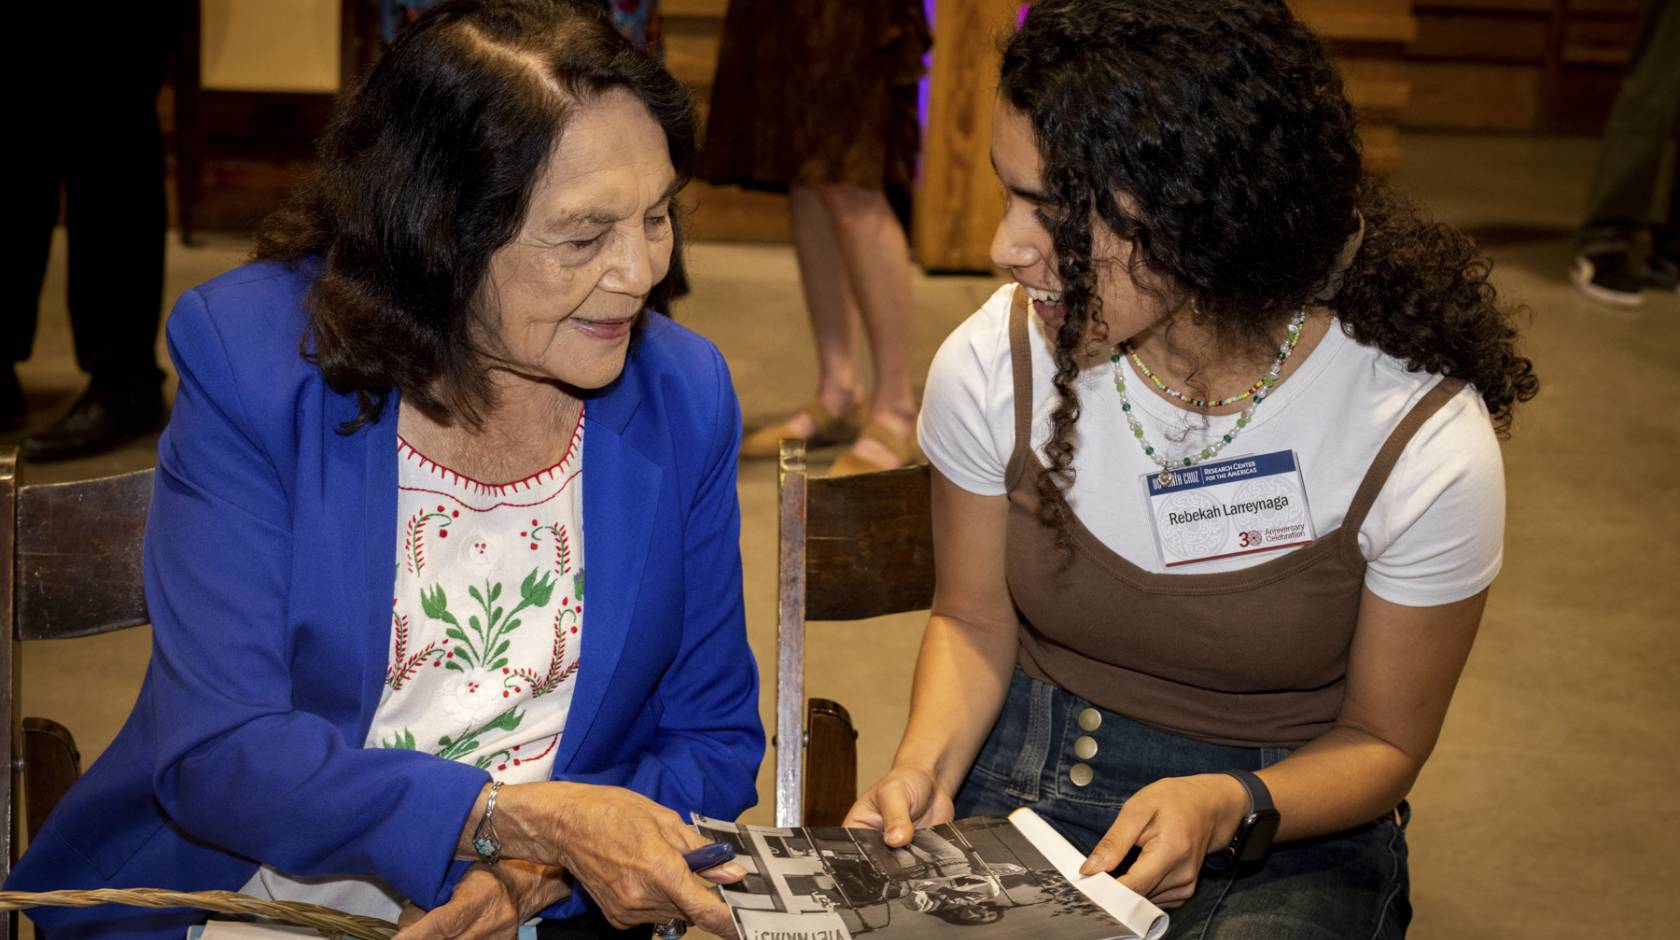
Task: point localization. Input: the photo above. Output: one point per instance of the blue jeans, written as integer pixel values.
(1348, 886)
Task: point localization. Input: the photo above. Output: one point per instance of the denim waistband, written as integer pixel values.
(1039, 741)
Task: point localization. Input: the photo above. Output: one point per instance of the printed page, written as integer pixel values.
(1125, 905)
(982, 876)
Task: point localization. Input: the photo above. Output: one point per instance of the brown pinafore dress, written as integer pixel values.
(1250, 658)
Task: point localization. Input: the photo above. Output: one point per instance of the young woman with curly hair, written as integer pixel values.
(1208, 286)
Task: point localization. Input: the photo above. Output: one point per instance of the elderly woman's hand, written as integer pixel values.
(489, 902)
(623, 848)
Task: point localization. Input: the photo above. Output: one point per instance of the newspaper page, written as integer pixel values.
(982, 876)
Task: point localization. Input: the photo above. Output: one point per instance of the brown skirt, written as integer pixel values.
(816, 91)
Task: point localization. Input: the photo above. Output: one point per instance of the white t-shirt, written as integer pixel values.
(1435, 534)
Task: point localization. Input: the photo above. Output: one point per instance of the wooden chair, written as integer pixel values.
(849, 548)
(71, 567)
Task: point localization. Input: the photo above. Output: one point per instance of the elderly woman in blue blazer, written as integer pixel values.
(402, 437)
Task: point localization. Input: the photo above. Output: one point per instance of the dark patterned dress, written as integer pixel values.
(817, 91)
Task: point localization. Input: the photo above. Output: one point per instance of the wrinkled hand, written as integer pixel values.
(626, 850)
(903, 801)
(1174, 823)
(489, 902)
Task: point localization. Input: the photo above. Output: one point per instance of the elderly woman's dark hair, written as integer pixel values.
(428, 169)
(1225, 123)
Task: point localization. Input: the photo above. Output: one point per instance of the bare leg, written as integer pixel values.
(829, 297)
(830, 303)
(877, 259)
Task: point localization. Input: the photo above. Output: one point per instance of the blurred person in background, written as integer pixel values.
(1623, 205)
(87, 128)
(818, 98)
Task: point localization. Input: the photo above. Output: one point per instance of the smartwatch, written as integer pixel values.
(1254, 834)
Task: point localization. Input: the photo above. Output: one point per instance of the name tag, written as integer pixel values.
(1230, 507)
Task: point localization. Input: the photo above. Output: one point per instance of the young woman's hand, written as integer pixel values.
(1174, 823)
(905, 800)
(490, 902)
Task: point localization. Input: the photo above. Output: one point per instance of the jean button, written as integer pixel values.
(1080, 774)
(1085, 747)
(1090, 719)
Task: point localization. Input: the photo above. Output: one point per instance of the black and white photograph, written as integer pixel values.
(832, 884)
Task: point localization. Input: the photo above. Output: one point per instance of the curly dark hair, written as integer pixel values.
(428, 169)
(1225, 123)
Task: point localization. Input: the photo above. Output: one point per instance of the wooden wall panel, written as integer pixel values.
(1479, 37)
(1576, 47)
(1365, 21)
(957, 203)
(1456, 94)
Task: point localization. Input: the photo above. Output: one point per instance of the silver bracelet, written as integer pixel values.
(485, 841)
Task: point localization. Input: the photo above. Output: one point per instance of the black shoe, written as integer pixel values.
(1608, 278)
(1662, 273)
(12, 407)
(106, 417)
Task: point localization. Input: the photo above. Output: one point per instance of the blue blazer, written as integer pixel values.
(269, 564)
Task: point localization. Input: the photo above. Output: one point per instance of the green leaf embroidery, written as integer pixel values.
(468, 741)
(536, 592)
(434, 602)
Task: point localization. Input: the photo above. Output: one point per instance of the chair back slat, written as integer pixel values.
(78, 556)
(789, 740)
(868, 545)
(847, 548)
(51, 764)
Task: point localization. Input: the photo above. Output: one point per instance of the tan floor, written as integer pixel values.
(1548, 808)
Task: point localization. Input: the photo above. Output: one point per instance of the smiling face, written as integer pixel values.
(1023, 246)
(561, 298)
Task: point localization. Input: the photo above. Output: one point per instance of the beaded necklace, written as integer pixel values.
(1257, 392)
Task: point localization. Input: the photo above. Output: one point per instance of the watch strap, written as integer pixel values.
(1259, 797)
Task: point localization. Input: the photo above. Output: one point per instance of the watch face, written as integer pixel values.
(1256, 834)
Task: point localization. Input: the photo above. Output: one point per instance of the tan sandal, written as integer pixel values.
(766, 442)
(902, 447)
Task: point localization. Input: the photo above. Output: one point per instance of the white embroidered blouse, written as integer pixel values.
(486, 618)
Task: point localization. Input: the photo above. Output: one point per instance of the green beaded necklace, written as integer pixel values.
(1258, 391)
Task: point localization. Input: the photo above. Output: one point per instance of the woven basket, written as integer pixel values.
(329, 922)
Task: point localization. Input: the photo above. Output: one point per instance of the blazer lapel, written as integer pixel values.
(620, 497)
(377, 540)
